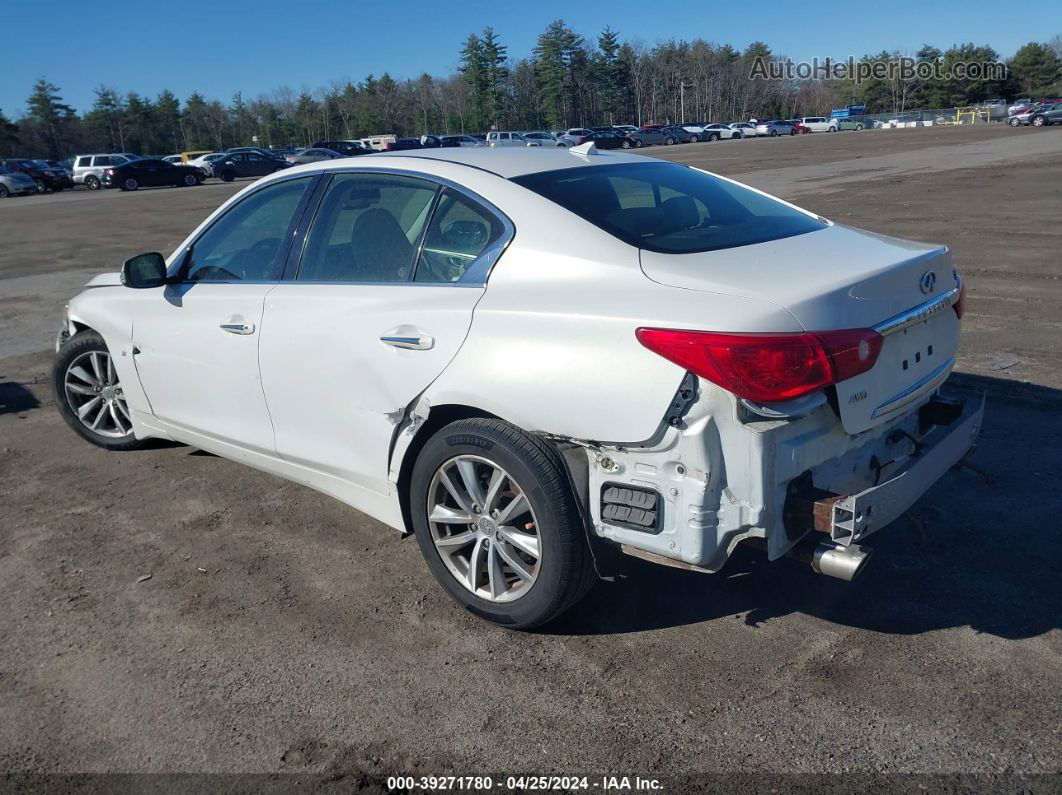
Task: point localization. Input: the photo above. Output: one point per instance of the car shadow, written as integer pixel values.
(15, 398)
(981, 549)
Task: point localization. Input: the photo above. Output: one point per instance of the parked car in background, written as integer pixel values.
(15, 183)
(259, 149)
(572, 135)
(853, 123)
(205, 163)
(819, 123)
(744, 128)
(799, 128)
(774, 127)
(436, 142)
(544, 138)
(646, 136)
(247, 164)
(345, 148)
(88, 169)
(402, 144)
(1046, 115)
(783, 376)
(151, 173)
(464, 140)
(677, 135)
(717, 132)
(312, 155)
(605, 139)
(504, 138)
(44, 176)
(174, 158)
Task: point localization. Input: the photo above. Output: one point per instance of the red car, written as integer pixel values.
(798, 128)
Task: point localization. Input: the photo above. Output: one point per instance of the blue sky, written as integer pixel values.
(256, 47)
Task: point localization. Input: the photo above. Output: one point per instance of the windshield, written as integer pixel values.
(670, 208)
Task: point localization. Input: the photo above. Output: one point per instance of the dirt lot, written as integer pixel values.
(281, 631)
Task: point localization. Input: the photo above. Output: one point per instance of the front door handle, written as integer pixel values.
(238, 327)
(409, 343)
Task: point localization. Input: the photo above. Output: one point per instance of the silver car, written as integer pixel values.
(312, 155)
(89, 169)
(15, 183)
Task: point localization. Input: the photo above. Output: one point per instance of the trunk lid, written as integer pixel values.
(841, 278)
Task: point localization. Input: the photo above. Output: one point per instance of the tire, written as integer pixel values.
(713, 137)
(1039, 121)
(92, 182)
(695, 139)
(1014, 123)
(669, 141)
(4, 192)
(94, 385)
(859, 127)
(190, 180)
(737, 136)
(773, 133)
(831, 129)
(130, 183)
(227, 176)
(531, 469)
(626, 144)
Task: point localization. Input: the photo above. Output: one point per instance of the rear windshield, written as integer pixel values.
(669, 208)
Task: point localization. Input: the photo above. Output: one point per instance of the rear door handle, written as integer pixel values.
(238, 327)
(409, 343)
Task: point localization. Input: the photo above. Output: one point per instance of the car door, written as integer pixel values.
(197, 341)
(391, 270)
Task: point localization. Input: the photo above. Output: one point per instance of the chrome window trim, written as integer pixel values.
(920, 313)
(478, 271)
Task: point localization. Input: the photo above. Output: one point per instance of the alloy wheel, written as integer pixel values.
(484, 528)
(95, 395)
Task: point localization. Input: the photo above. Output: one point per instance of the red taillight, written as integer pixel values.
(960, 305)
(110, 172)
(768, 368)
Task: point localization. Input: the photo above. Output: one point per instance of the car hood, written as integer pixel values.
(105, 280)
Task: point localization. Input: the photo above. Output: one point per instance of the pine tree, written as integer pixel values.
(49, 116)
(496, 76)
(1037, 68)
(8, 135)
(474, 70)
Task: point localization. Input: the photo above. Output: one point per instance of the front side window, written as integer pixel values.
(460, 231)
(669, 208)
(367, 229)
(245, 244)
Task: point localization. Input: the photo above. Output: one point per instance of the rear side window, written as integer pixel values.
(669, 208)
(102, 161)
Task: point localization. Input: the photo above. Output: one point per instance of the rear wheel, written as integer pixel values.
(92, 182)
(773, 133)
(626, 144)
(713, 136)
(41, 187)
(669, 141)
(227, 176)
(859, 127)
(497, 523)
(694, 139)
(89, 394)
(1014, 122)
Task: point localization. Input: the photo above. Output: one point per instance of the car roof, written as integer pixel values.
(515, 161)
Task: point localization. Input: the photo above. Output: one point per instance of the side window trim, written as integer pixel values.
(475, 275)
(182, 262)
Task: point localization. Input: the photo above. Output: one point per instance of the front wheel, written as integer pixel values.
(4, 192)
(774, 133)
(1039, 121)
(859, 127)
(626, 144)
(130, 183)
(497, 523)
(669, 141)
(713, 137)
(89, 393)
(191, 180)
(694, 139)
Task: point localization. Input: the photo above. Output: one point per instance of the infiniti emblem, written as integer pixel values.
(928, 282)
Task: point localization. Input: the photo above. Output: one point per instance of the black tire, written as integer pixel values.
(92, 182)
(737, 136)
(4, 192)
(84, 342)
(1014, 123)
(565, 571)
(713, 137)
(773, 133)
(626, 144)
(669, 141)
(227, 176)
(41, 187)
(130, 183)
(190, 180)
(1039, 121)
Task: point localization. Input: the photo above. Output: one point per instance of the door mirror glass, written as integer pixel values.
(144, 270)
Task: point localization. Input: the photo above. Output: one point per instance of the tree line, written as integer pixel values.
(567, 80)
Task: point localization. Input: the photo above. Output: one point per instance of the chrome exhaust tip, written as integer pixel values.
(838, 561)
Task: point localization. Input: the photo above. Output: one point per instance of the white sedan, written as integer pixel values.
(535, 359)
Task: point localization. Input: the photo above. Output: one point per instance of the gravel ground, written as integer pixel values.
(283, 632)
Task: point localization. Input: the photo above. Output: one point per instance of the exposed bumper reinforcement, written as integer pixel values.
(854, 517)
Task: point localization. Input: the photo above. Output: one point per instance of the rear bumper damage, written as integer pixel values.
(798, 485)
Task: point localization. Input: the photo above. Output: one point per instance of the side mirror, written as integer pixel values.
(144, 270)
